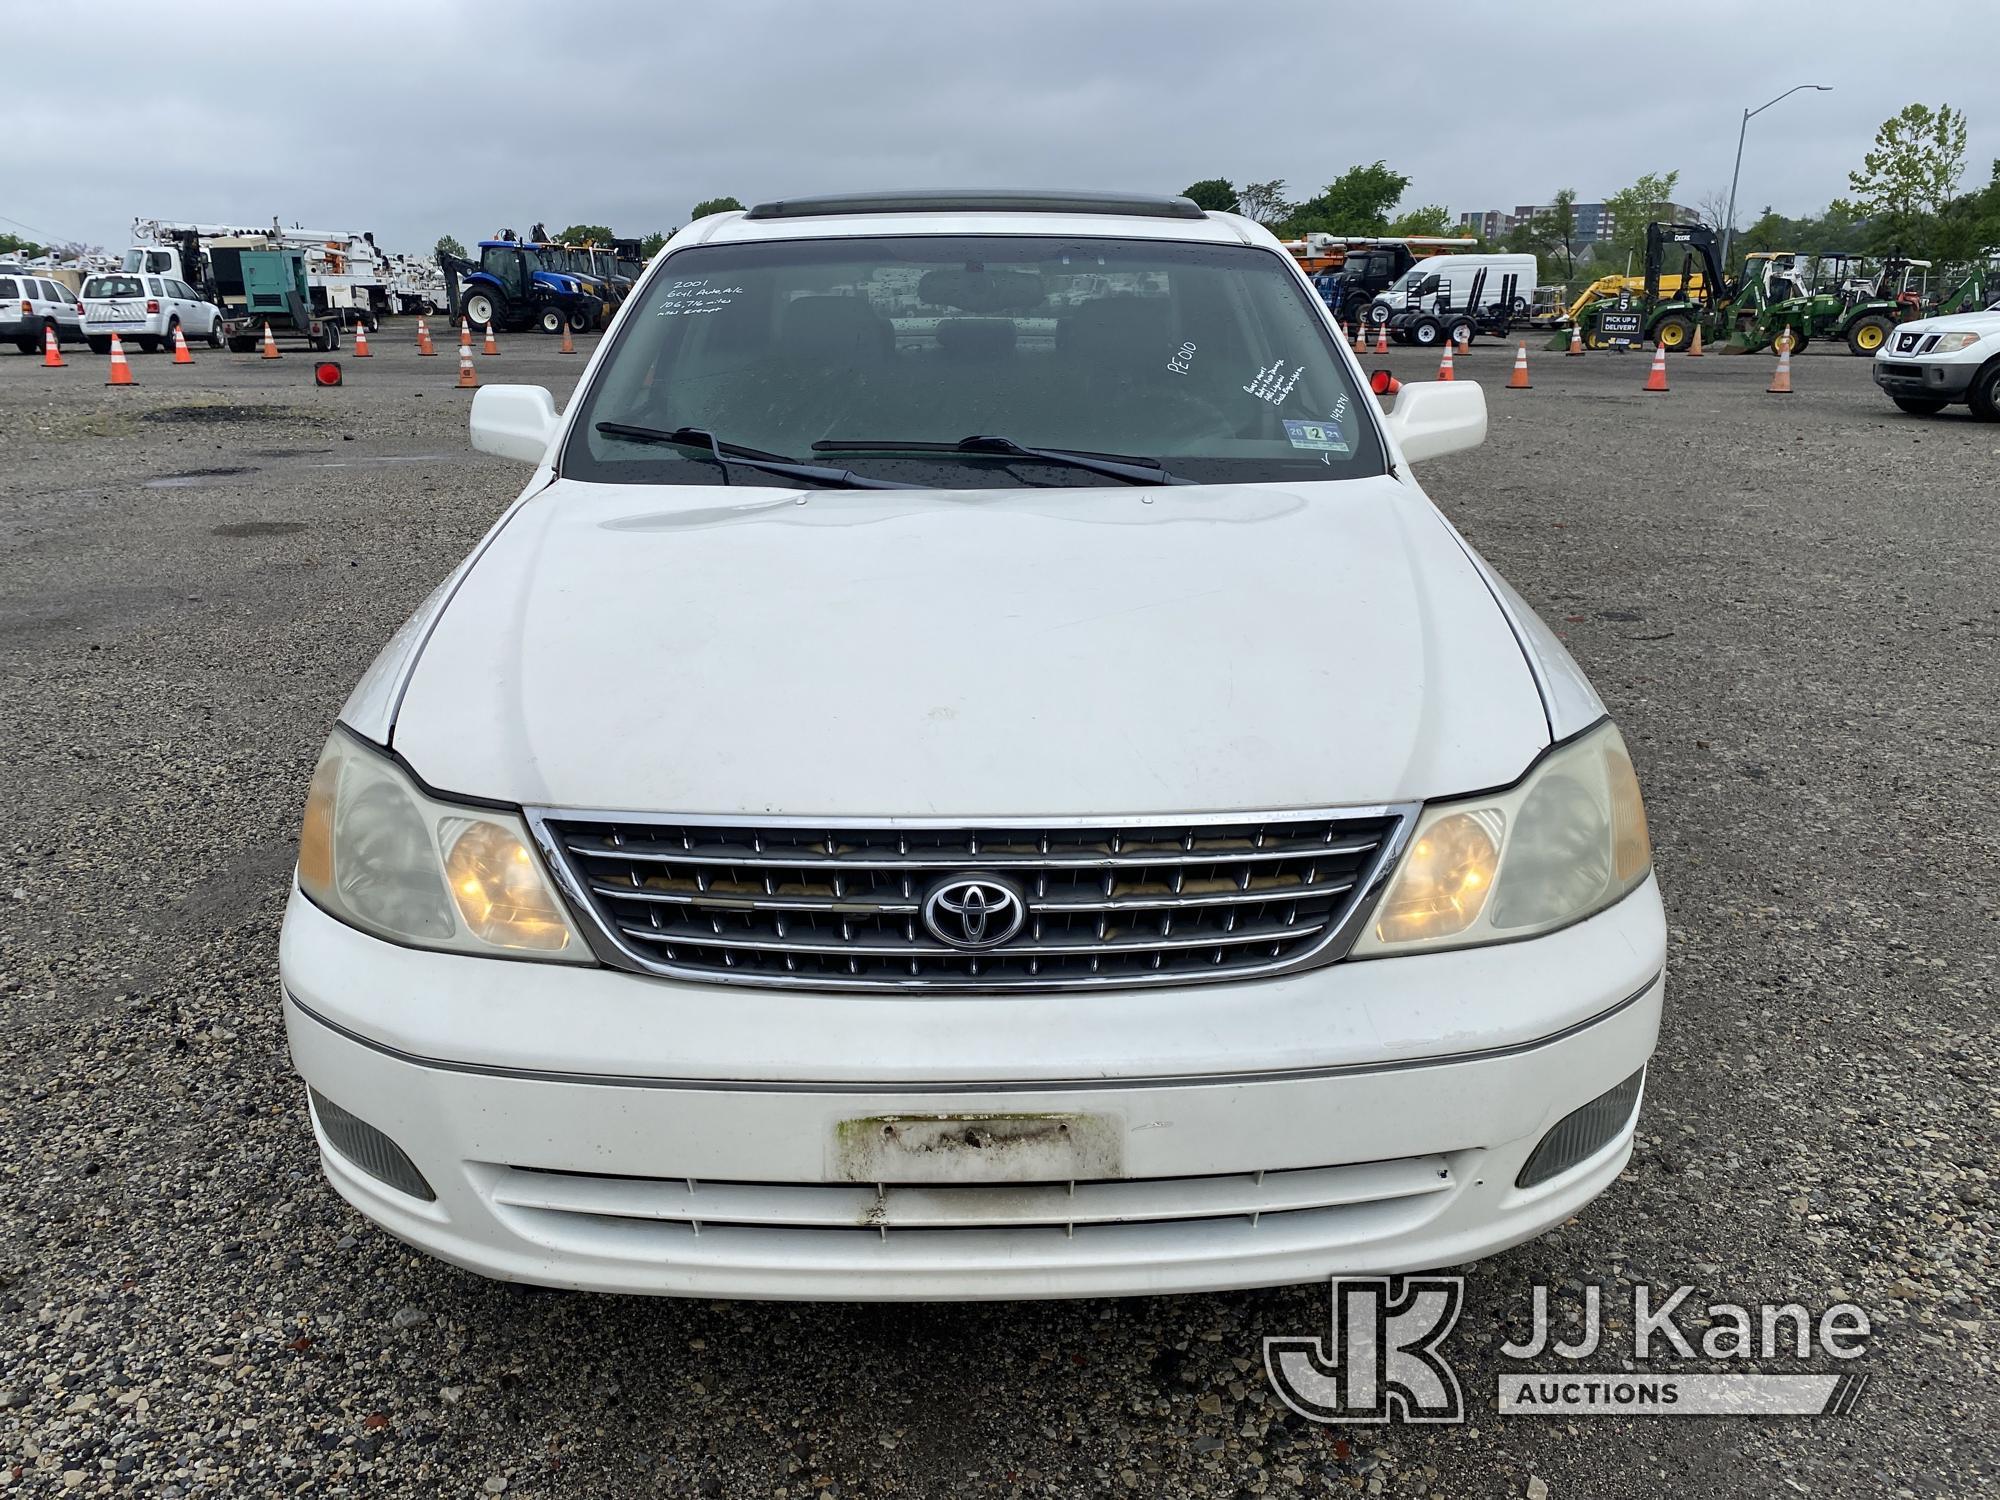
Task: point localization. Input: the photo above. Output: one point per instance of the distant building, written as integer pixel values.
(1595, 222)
(1490, 225)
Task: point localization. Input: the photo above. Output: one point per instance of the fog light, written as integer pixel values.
(1582, 1133)
(369, 1149)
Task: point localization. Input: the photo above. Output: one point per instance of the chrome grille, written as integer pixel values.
(843, 906)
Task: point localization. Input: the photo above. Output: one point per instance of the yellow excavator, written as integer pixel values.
(1611, 286)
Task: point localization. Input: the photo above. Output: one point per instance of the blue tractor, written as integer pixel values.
(511, 287)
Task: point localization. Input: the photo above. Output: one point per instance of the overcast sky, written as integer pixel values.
(415, 119)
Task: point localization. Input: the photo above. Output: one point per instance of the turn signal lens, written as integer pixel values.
(500, 892)
(316, 836)
(1631, 843)
(1445, 879)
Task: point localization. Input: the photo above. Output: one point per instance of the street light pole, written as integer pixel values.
(1729, 219)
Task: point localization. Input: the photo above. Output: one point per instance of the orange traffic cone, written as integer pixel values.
(467, 380)
(121, 371)
(361, 349)
(424, 338)
(181, 354)
(465, 333)
(1656, 378)
(270, 344)
(1382, 337)
(1463, 338)
(1694, 349)
(1575, 348)
(1781, 381)
(51, 350)
(1518, 380)
(1444, 365)
(1382, 383)
(568, 343)
(492, 345)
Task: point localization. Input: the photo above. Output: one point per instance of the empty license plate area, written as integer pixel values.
(978, 1148)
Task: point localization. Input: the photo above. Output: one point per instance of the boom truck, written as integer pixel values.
(348, 279)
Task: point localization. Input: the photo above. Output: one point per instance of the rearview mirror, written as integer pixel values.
(1436, 417)
(514, 421)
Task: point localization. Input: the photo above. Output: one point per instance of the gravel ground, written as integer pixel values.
(1788, 603)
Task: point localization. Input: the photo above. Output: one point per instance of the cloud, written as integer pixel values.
(413, 120)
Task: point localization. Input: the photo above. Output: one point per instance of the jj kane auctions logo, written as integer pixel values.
(1383, 1359)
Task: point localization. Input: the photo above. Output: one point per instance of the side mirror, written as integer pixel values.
(514, 421)
(1436, 417)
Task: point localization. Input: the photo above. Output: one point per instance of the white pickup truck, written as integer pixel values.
(1933, 363)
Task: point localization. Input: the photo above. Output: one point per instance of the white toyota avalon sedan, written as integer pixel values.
(972, 769)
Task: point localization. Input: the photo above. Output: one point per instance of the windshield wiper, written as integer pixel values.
(1133, 471)
(728, 455)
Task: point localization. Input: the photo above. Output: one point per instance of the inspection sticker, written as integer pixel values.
(1320, 437)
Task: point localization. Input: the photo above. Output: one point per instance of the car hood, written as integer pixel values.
(1982, 323)
(1023, 652)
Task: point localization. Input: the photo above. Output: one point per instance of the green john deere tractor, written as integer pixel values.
(1858, 310)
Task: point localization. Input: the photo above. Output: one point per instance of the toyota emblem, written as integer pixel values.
(974, 911)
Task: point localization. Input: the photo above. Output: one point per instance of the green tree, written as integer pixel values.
(1971, 224)
(714, 206)
(1647, 201)
(1356, 202)
(1263, 201)
(1216, 194)
(1431, 218)
(1551, 236)
(650, 245)
(585, 234)
(1910, 179)
(447, 245)
(12, 244)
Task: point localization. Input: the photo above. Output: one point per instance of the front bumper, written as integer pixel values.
(599, 1130)
(1905, 376)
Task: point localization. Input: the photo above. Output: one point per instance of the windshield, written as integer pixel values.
(532, 260)
(113, 286)
(1212, 360)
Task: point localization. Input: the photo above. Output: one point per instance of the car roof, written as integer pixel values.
(976, 211)
(979, 200)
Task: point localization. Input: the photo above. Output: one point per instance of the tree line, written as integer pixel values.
(1906, 197)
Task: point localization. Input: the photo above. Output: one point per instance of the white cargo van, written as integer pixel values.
(1421, 282)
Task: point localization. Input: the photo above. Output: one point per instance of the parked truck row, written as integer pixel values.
(349, 279)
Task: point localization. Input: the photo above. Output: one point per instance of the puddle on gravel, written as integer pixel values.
(188, 478)
(258, 528)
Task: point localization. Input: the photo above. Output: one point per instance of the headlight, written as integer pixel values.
(1565, 842)
(380, 855)
(1951, 343)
